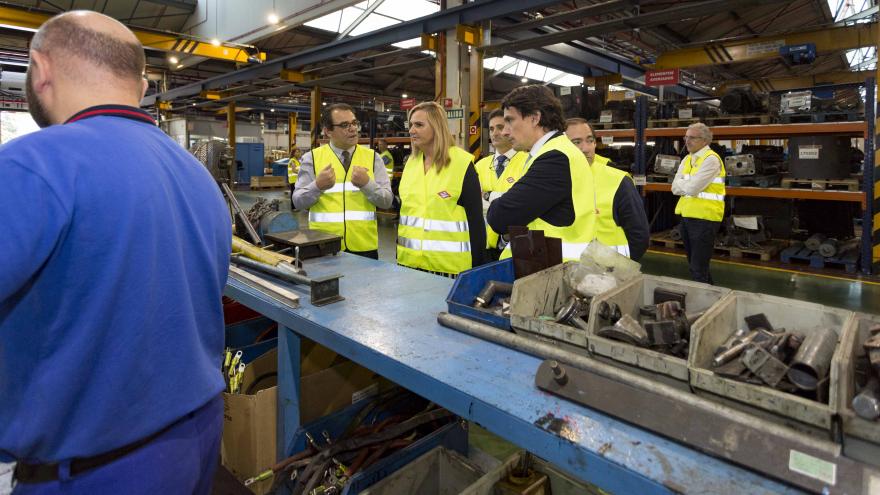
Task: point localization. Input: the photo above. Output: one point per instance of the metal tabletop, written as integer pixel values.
(388, 323)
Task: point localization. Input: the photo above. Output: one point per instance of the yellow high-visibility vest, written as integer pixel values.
(433, 233)
(389, 163)
(514, 169)
(343, 209)
(607, 180)
(292, 170)
(576, 236)
(709, 203)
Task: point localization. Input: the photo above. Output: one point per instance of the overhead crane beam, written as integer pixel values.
(31, 20)
(767, 47)
(644, 20)
(469, 13)
(800, 82)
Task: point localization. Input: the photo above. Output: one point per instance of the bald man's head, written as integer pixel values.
(82, 41)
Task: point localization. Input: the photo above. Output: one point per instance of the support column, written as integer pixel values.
(475, 92)
(230, 142)
(316, 116)
(291, 130)
(440, 69)
(230, 124)
(871, 177)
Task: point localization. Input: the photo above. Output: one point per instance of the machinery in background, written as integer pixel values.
(755, 160)
(819, 157)
(744, 232)
(741, 101)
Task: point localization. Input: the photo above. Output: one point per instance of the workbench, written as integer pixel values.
(388, 323)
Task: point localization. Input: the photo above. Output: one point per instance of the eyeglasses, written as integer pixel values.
(347, 125)
(691, 138)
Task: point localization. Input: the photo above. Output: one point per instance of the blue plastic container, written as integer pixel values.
(242, 336)
(452, 436)
(469, 283)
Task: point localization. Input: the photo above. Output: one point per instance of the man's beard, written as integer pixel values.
(35, 107)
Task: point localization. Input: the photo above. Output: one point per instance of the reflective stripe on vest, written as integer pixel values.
(342, 217)
(341, 187)
(572, 251)
(344, 209)
(428, 245)
(710, 196)
(436, 225)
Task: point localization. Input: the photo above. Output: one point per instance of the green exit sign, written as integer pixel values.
(455, 113)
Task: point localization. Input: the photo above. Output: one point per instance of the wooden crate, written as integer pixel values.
(268, 182)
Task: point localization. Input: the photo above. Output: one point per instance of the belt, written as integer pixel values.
(42, 473)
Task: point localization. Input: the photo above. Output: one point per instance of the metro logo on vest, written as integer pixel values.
(511, 180)
(444, 194)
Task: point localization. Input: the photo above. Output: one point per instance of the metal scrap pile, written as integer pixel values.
(391, 422)
(792, 362)
(663, 326)
(867, 402)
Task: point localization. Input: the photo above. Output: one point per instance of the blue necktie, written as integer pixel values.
(499, 165)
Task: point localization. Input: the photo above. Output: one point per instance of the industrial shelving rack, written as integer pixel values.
(869, 260)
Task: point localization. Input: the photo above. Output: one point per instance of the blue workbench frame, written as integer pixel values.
(388, 323)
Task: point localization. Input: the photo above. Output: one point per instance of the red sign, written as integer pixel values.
(473, 130)
(662, 77)
(447, 102)
(407, 103)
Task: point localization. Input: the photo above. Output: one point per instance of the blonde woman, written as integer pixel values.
(441, 219)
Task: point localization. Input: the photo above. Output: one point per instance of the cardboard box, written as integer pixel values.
(329, 383)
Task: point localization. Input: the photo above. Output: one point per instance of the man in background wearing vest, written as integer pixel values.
(622, 222)
(387, 157)
(498, 172)
(350, 183)
(292, 170)
(700, 183)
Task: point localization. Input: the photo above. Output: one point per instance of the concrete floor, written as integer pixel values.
(832, 289)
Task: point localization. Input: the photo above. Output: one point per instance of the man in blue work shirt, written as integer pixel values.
(116, 244)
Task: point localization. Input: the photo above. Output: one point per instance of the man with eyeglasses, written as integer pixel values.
(700, 183)
(350, 183)
(621, 221)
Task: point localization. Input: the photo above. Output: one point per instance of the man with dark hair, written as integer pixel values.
(342, 184)
(556, 193)
(498, 172)
(111, 325)
(622, 223)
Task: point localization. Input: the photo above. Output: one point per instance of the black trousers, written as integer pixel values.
(699, 243)
(291, 195)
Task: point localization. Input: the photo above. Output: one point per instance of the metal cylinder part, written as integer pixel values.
(867, 403)
(492, 287)
(812, 243)
(829, 247)
(813, 359)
